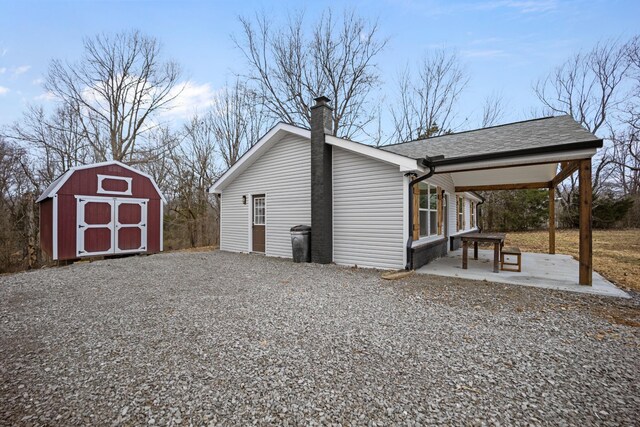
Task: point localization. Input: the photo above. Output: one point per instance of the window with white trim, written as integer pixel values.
(428, 210)
(472, 214)
(460, 212)
(258, 211)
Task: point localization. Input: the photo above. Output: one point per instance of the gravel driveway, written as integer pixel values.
(219, 338)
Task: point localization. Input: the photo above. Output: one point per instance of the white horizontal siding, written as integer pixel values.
(367, 211)
(467, 214)
(445, 182)
(283, 174)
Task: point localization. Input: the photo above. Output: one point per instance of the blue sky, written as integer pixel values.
(505, 45)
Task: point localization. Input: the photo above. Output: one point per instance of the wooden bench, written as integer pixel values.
(511, 251)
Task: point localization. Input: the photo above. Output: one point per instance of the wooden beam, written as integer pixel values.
(524, 186)
(586, 249)
(567, 169)
(552, 220)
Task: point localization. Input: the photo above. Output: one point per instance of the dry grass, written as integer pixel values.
(616, 253)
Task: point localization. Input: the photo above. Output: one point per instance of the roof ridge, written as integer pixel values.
(476, 130)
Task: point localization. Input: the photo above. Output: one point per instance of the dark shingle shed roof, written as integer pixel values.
(538, 135)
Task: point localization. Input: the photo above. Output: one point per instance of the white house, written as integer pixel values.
(397, 206)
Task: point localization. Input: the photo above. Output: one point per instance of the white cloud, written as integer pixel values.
(45, 97)
(37, 82)
(483, 53)
(3, 90)
(522, 6)
(3, 70)
(193, 98)
(21, 70)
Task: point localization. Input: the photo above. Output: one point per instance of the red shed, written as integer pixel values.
(101, 209)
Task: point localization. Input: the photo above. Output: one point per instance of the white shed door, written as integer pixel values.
(131, 225)
(108, 225)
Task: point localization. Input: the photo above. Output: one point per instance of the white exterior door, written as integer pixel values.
(131, 225)
(109, 225)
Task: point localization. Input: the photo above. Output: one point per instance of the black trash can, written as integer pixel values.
(301, 243)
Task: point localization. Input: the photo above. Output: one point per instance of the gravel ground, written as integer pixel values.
(218, 338)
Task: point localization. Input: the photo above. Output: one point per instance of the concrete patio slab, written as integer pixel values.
(538, 270)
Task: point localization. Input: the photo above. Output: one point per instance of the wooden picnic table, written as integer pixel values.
(496, 238)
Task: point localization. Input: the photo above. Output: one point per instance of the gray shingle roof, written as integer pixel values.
(548, 132)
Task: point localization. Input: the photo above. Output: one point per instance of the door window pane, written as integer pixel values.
(258, 211)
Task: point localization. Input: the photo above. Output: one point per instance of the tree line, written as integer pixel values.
(111, 102)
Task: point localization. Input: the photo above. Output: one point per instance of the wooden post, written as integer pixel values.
(586, 265)
(416, 211)
(552, 220)
(465, 255)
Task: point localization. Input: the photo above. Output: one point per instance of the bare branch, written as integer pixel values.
(289, 67)
(428, 99)
(118, 84)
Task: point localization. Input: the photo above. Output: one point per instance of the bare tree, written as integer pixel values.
(633, 108)
(291, 66)
(18, 223)
(588, 87)
(236, 120)
(428, 98)
(625, 154)
(625, 160)
(193, 170)
(115, 89)
(58, 140)
(493, 109)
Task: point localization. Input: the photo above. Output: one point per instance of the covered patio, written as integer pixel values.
(538, 270)
(534, 154)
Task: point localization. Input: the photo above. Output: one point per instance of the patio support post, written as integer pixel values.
(552, 220)
(586, 266)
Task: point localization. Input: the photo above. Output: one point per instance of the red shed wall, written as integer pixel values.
(46, 226)
(153, 225)
(66, 226)
(85, 183)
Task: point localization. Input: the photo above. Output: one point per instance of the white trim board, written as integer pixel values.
(161, 227)
(524, 160)
(54, 237)
(406, 164)
(470, 196)
(101, 189)
(49, 192)
(405, 217)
